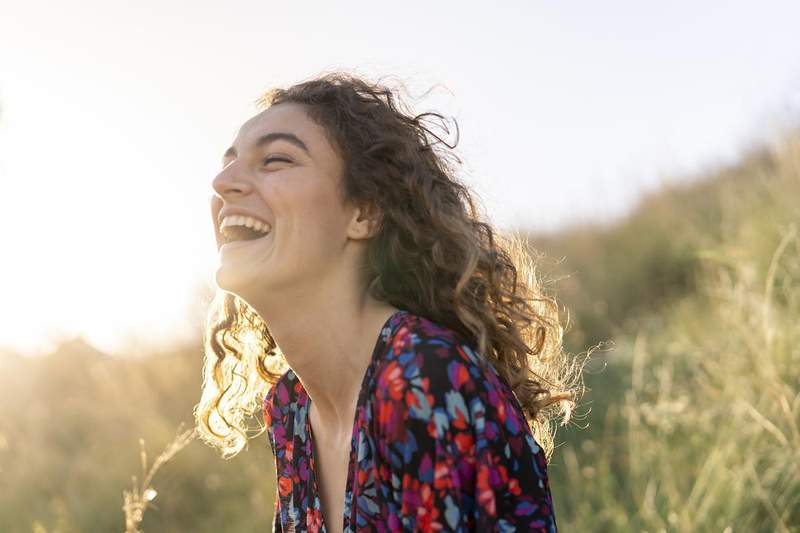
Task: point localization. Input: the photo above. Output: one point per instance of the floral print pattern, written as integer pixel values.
(440, 443)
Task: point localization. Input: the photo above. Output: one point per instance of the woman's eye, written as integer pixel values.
(273, 159)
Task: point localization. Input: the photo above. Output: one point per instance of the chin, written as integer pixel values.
(232, 282)
(247, 286)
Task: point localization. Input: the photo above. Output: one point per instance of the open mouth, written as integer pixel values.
(240, 228)
(241, 233)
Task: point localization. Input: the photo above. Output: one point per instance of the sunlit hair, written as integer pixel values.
(433, 256)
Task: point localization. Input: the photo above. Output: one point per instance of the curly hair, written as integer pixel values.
(432, 255)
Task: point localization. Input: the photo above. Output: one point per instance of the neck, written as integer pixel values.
(328, 337)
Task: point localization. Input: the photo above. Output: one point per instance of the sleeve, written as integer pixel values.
(455, 448)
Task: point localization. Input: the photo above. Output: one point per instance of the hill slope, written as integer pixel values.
(694, 421)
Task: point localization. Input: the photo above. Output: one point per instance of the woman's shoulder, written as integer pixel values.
(414, 334)
(433, 387)
(426, 363)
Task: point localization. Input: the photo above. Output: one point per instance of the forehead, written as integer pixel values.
(285, 118)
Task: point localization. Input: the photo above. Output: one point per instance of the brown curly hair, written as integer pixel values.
(433, 255)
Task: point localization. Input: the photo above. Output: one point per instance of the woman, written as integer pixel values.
(403, 353)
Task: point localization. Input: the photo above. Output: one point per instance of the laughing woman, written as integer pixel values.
(408, 365)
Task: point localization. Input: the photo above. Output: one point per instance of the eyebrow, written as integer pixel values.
(291, 138)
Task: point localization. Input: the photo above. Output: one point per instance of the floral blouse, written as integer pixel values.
(439, 443)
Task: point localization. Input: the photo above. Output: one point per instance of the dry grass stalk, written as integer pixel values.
(137, 500)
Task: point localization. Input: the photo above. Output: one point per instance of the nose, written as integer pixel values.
(228, 184)
(231, 182)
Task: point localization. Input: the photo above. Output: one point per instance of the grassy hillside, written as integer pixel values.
(694, 414)
(70, 425)
(694, 417)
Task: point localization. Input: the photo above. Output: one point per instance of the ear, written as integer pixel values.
(365, 223)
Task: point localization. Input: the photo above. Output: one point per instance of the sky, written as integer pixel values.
(114, 117)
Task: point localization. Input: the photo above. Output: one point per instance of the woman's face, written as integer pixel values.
(282, 171)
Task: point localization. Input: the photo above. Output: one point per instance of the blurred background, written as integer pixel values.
(650, 151)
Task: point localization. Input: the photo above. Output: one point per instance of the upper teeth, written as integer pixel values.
(250, 222)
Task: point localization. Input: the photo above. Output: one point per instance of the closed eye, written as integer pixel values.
(273, 159)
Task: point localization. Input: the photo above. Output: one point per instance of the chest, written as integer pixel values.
(331, 463)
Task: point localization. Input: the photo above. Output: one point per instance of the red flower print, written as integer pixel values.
(313, 520)
(485, 492)
(464, 442)
(394, 380)
(284, 485)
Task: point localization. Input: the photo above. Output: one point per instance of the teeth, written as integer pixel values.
(250, 222)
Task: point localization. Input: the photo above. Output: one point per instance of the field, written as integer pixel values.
(691, 419)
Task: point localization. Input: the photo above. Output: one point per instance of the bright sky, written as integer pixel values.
(114, 116)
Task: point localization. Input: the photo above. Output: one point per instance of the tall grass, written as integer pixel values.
(703, 433)
(70, 430)
(137, 500)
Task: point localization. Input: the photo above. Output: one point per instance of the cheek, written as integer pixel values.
(322, 225)
(306, 209)
(295, 194)
(321, 208)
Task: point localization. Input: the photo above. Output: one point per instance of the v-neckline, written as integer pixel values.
(314, 499)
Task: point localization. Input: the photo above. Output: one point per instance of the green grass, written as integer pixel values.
(694, 421)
